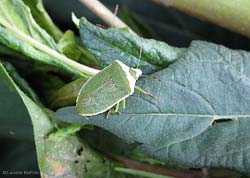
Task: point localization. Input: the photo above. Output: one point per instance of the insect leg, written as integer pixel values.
(144, 92)
(124, 104)
(108, 113)
(117, 107)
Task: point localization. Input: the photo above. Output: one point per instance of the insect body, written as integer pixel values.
(107, 88)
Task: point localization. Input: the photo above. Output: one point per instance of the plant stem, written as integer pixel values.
(231, 14)
(139, 173)
(79, 67)
(105, 14)
(164, 171)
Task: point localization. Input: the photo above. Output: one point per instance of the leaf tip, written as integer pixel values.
(75, 20)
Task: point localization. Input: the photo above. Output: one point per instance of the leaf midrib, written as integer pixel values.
(215, 117)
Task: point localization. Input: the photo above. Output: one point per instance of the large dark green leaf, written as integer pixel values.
(117, 44)
(14, 118)
(16, 132)
(200, 117)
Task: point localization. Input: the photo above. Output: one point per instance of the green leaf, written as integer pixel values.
(64, 132)
(69, 46)
(117, 44)
(200, 117)
(5, 51)
(16, 13)
(42, 18)
(65, 156)
(15, 122)
(21, 83)
(19, 31)
(66, 95)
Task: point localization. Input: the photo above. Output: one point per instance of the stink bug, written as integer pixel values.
(107, 88)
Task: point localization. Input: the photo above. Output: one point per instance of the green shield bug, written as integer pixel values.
(107, 88)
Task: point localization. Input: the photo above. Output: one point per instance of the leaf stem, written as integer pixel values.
(105, 14)
(140, 173)
(165, 171)
(79, 67)
(233, 14)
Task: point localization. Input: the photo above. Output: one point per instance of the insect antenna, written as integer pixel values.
(139, 59)
(153, 77)
(140, 52)
(116, 9)
(115, 12)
